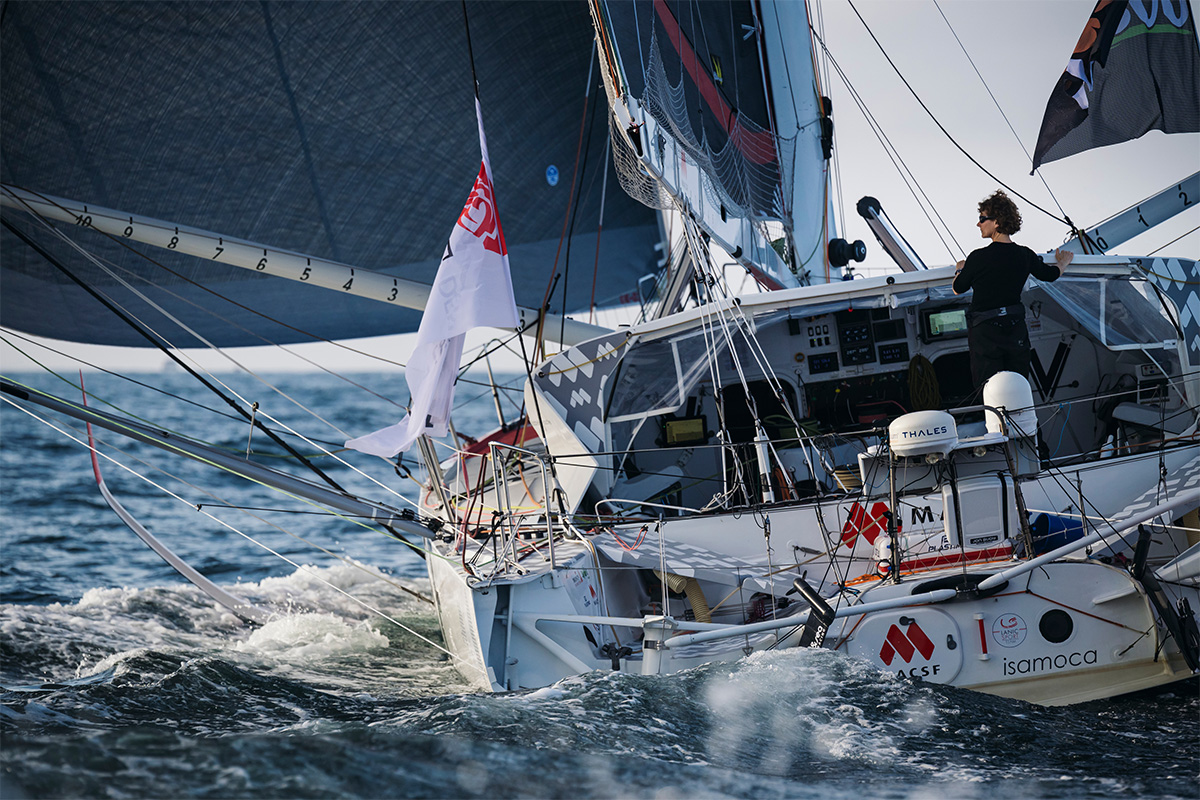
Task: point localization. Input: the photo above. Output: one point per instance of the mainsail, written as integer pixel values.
(320, 128)
(719, 104)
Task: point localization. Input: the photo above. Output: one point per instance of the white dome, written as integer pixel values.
(1011, 392)
(923, 432)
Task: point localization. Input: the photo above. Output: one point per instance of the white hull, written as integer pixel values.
(539, 622)
(1067, 633)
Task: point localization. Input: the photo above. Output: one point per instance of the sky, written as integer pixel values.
(1019, 48)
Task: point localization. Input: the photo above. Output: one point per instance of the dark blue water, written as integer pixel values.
(120, 680)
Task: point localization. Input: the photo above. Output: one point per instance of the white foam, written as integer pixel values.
(305, 638)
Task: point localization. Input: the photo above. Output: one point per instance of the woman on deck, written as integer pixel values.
(998, 336)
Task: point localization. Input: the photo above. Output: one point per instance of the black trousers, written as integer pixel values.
(1000, 344)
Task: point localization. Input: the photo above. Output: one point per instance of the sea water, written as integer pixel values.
(120, 679)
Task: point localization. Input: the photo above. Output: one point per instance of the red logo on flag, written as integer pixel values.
(871, 526)
(479, 217)
(906, 646)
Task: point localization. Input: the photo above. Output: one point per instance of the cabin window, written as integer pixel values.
(1114, 312)
(656, 376)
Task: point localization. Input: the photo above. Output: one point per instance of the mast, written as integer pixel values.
(802, 124)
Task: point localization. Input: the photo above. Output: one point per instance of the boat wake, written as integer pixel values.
(159, 685)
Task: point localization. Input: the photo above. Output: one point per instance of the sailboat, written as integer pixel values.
(805, 465)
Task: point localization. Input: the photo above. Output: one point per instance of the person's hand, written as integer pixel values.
(1063, 258)
(959, 266)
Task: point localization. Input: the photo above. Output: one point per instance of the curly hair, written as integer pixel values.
(999, 207)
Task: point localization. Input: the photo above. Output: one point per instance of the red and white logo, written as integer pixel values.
(1009, 630)
(905, 644)
(479, 216)
(870, 525)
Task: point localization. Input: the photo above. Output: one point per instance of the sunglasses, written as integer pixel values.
(983, 219)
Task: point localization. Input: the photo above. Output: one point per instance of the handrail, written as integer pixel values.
(504, 501)
(922, 598)
(1182, 499)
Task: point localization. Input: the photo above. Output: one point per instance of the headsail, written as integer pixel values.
(1135, 69)
(317, 128)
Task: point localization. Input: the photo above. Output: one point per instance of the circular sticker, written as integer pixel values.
(1008, 630)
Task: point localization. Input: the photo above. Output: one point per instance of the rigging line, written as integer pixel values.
(485, 352)
(165, 445)
(139, 254)
(210, 345)
(353, 519)
(131, 274)
(470, 51)
(923, 202)
(712, 320)
(1168, 244)
(996, 102)
(461, 403)
(552, 472)
(132, 415)
(590, 186)
(1064, 219)
(1062, 482)
(78, 360)
(266, 341)
(599, 230)
(138, 328)
(240, 507)
(598, 357)
(94, 259)
(350, 562)
(539, 342)
(140, 384)
(339, 459)
(776, 385)
(252, 540)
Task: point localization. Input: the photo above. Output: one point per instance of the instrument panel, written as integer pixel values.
(854, 338)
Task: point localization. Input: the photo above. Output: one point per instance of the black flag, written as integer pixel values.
(1135, 69)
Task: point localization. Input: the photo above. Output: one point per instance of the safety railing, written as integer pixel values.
(510, 520)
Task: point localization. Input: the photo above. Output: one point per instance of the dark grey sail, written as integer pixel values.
(345, 131)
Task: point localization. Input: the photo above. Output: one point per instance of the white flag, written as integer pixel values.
(473, 288)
